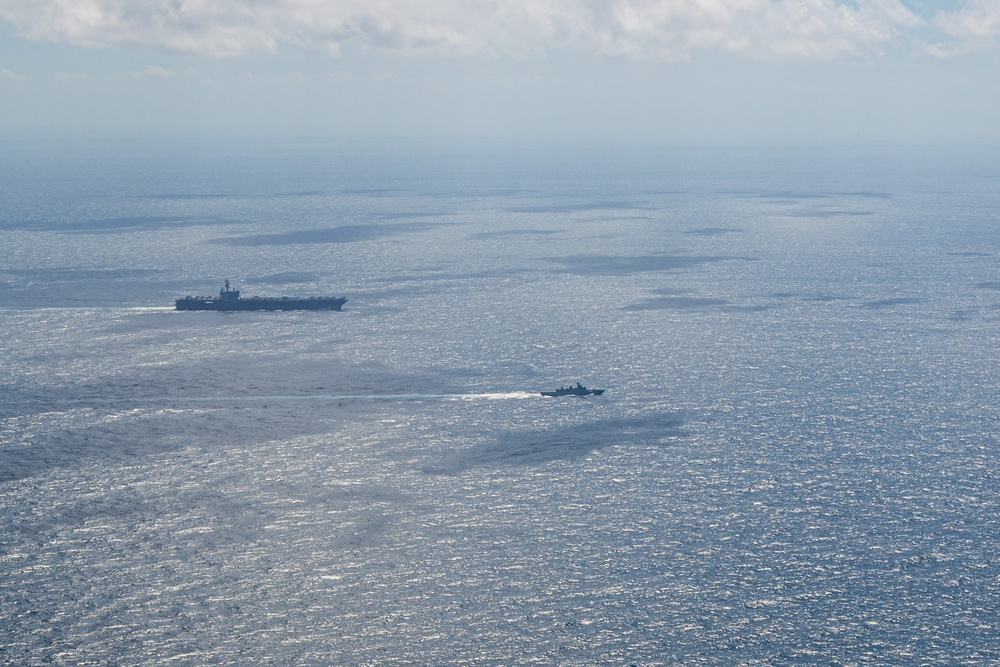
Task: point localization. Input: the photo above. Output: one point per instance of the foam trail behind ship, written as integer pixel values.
(359, 397)
(182, 401)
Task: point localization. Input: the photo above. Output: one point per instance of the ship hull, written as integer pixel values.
(226, 305)
(573, 392)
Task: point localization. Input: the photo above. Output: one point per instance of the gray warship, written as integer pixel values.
(229, 299)
(578, 390)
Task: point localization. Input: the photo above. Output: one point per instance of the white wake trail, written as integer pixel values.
(506, 395)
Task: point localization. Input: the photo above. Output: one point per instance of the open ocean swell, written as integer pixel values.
(795, 460)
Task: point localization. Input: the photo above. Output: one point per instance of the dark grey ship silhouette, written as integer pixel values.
(578, 390)
(229, 299)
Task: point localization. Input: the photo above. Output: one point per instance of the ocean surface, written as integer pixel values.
(796, 459)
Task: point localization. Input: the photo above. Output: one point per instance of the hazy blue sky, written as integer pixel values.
(673, 70)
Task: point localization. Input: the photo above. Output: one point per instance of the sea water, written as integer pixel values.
(795, 460)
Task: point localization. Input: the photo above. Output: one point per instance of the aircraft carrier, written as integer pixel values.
(229, 299)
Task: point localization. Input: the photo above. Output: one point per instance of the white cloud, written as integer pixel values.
(659, 29)
(7, 74)
(154, 72)
(974, 26)
(812, 29)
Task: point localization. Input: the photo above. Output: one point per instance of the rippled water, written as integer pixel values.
(794, 462)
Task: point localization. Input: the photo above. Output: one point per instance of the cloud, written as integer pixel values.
(668, 30)
(7, 74)
(973, 27)
(154, 72)
(810, 29)
(228, 27)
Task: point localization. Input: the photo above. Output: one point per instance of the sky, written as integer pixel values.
(687, 71)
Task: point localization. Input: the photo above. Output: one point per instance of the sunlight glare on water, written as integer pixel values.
(794, 461)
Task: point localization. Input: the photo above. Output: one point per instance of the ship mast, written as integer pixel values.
(228, 293)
